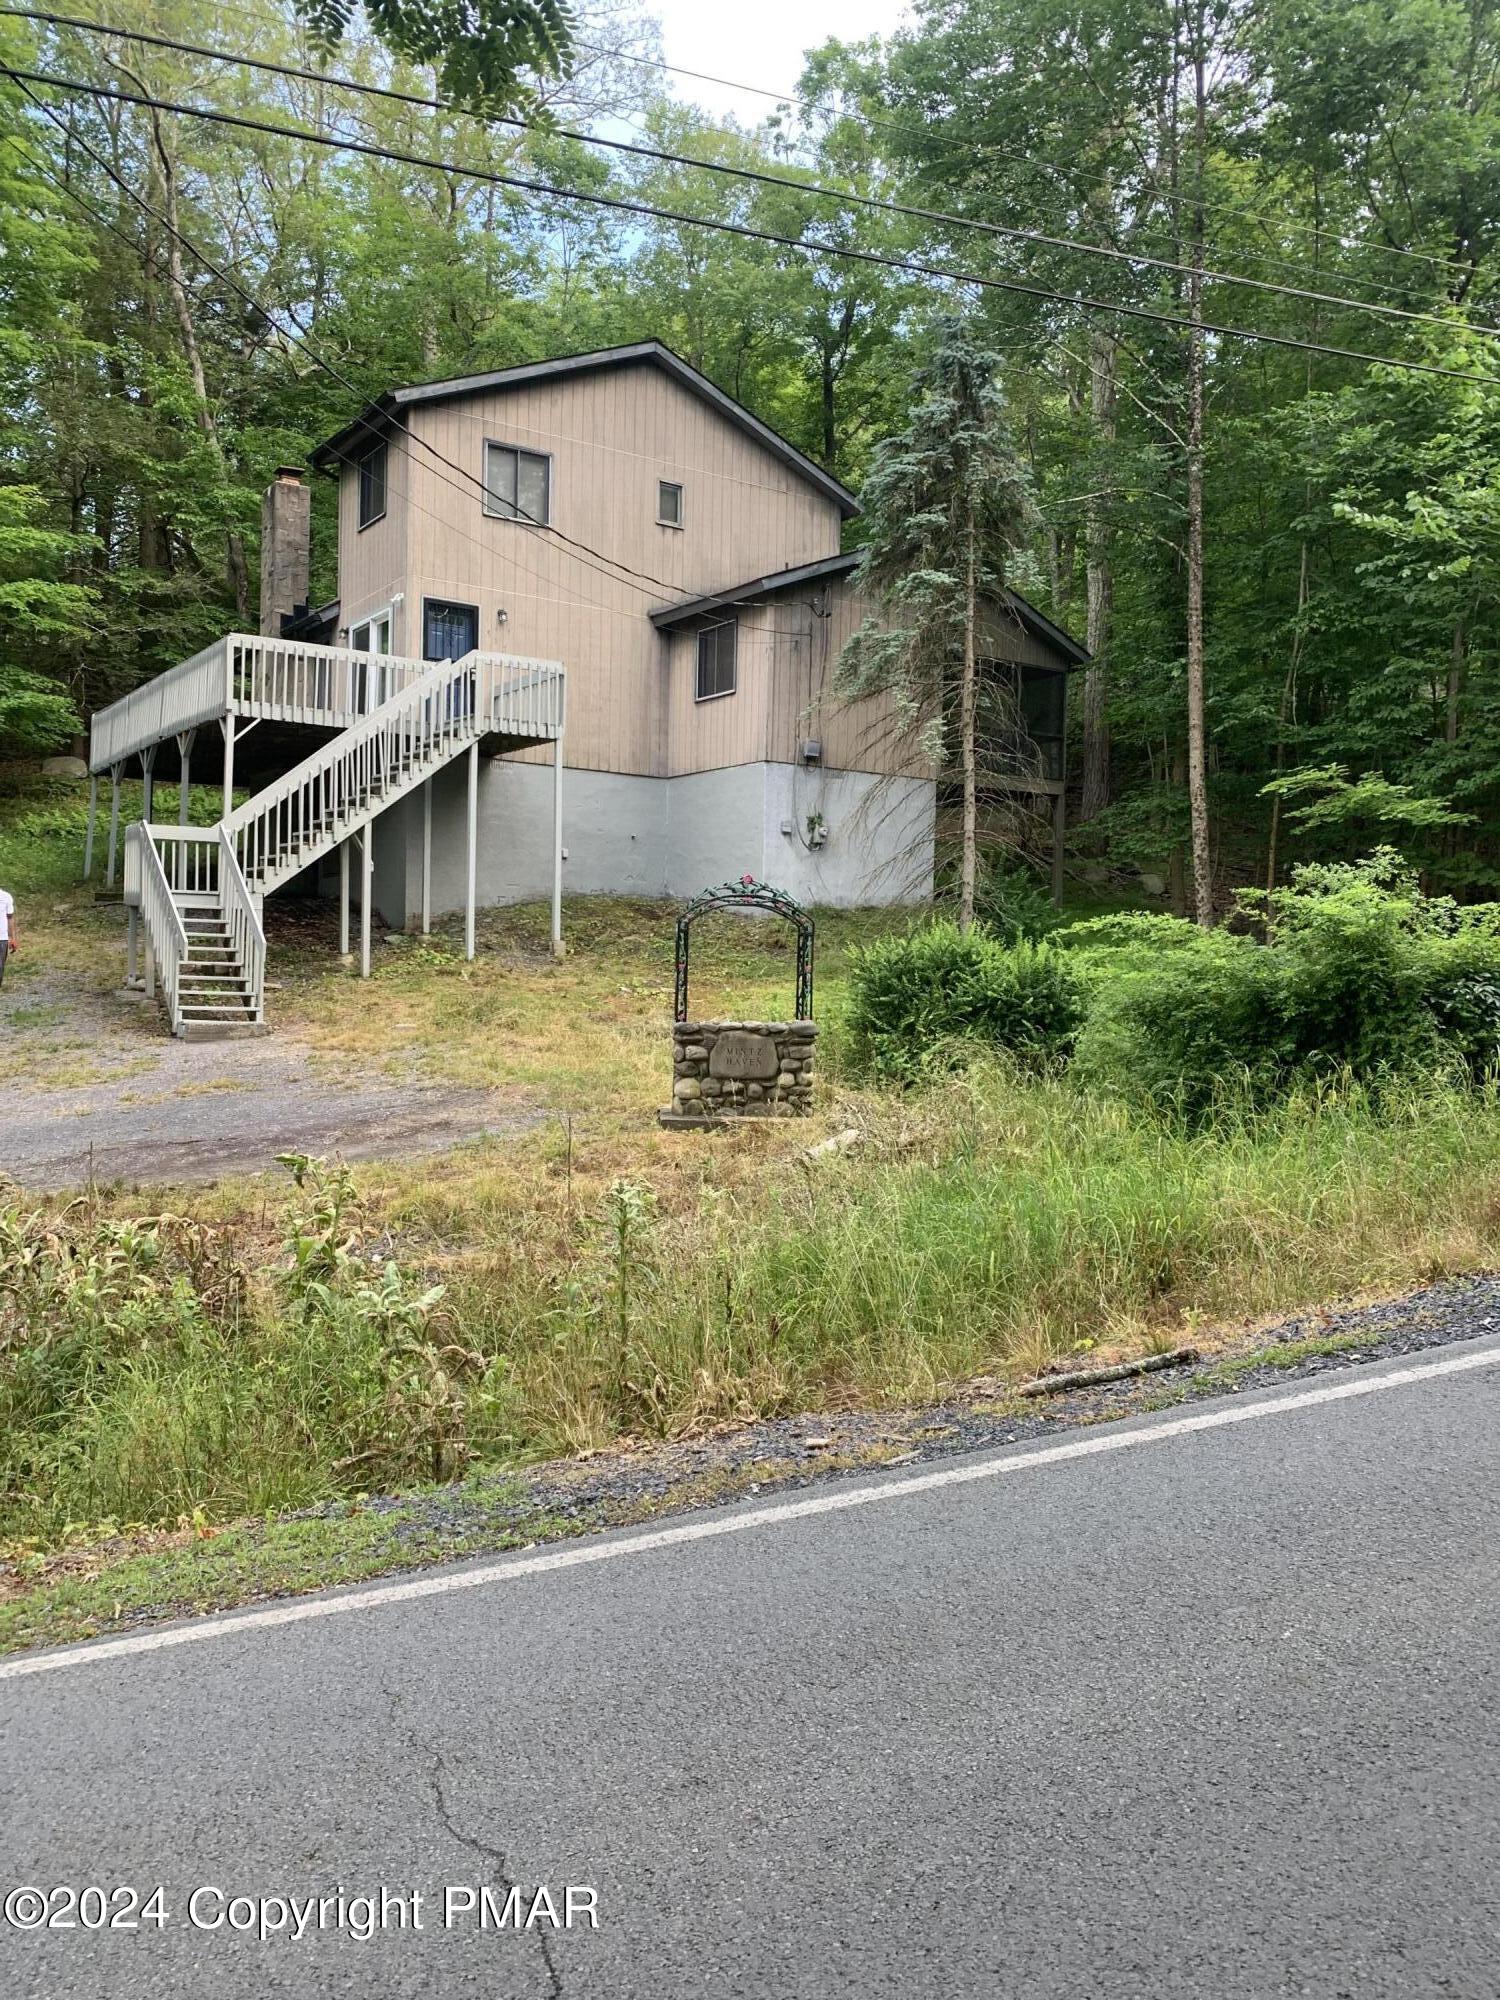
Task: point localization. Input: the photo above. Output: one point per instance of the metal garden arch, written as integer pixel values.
(748, 894)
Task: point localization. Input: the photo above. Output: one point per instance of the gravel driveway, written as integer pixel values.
(95, 1089)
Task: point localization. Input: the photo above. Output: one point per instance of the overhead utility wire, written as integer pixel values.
(759, 176)
(243, 10)
(1080, 300)
(297, 335)
(890, 124)
(348, 458)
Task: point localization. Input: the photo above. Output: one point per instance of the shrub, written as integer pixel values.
(1011, 902)
(916, 1002)
(1360, 976)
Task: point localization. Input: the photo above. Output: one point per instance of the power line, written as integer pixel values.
(244, 9)
(847, 253)
(346, 458)
(641, 580)
(757, 176)
(887, 123)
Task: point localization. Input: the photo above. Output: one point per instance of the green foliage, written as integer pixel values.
(1360, 977)
(147, 1371)
(35, 714)
(1011, 902)
(934, 997)
(479, 51)
(1371, 799)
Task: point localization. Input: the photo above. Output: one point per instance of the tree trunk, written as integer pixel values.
(1101, 589)
(237, 569)
(1457, 662)
(967, 712)
(1283, 716)
(1203, 884)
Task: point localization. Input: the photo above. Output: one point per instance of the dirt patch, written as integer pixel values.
(95, 1089)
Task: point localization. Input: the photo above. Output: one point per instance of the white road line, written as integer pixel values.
(1094, 1445)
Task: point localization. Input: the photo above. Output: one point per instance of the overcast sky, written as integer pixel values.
(758, 41)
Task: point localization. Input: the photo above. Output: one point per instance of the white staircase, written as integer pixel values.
(200, 890)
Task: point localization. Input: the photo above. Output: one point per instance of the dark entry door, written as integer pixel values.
(448, 630)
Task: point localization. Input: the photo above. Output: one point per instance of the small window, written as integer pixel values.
(372, 486)
(517, 485)
(669, 503)
(716, 661)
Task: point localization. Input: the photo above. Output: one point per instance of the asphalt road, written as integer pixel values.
(1209, 1713)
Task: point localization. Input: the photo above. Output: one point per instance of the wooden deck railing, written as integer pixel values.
(274, 680)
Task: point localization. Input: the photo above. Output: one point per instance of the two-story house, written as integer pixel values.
(614, 521)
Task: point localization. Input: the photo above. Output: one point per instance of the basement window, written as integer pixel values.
(372, 485)
(716, 661)
(668, 503)
(517, 485)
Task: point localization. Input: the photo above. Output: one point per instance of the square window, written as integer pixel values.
(716, 661)
(372, 485)
(517, 485)
(669, 503)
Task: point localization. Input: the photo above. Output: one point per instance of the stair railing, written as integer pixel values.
(242, 920)
(308, 811)
(166, 937)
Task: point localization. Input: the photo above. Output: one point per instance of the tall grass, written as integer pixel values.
(989, 1222)
(1038, 1218)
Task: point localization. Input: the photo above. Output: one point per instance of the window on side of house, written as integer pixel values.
(372, 485)
(517, 485)
(716, 661)
(669, 503)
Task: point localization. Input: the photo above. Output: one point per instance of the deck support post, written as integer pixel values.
(1059, 835)
(473, 873)
(115, 773)
(130, 947)
(344, 895)
(227, 725)
(557, 844)
(150, 963)
(88, 838)
(185, 739)
(427, 858)
(148, 781)
(366, 895)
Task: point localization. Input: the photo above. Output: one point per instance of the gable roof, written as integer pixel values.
(672, 617)
(383, 416)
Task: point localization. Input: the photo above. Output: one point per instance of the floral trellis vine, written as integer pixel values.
(748, 894)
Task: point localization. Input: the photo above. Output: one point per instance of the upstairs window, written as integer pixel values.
(716, 661)
(517, 485)
(372, 485)
(669, 503)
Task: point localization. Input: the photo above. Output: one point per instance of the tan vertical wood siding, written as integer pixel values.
(372, 561)
(611, 436)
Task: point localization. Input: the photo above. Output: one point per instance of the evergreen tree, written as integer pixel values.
(947, 504)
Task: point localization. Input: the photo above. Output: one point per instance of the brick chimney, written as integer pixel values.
(285, 540)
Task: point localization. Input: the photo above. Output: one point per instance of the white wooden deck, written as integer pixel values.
(259, 679)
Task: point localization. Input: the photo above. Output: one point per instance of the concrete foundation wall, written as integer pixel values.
(632, 836)
(880, 836)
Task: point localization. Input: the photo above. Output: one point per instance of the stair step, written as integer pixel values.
(221, 1031)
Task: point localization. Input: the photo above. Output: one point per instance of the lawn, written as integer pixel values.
(252, 1348)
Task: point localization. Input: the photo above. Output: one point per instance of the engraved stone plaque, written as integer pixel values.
(743, 1056)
